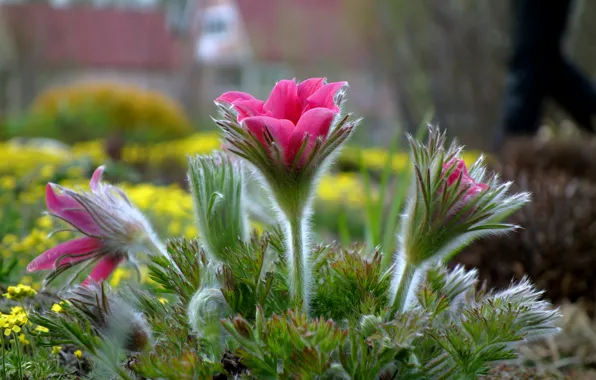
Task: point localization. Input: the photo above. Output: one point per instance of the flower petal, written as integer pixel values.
(280, 129)
(248, 108)
(103, 269)
(79, 247)
(69, 209)
(460, 169)
(283, 102)
(325, 96)
(232, 96)
(308, 87)
(316, 122)
(96, 177)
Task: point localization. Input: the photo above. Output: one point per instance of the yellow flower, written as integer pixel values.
(19, 292)
(56, 308)
(190, 232)
(75, 172)
(24, 339)
(175, 228)
(119, 275)
(56, 350)
(9, 239)
(162, 300)
(47, 171)
(78, 354)
(42, 329)
(17, 310)
(8, 182)
(44, 222)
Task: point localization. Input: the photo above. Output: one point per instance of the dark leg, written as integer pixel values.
(575, 93)
(538, 29)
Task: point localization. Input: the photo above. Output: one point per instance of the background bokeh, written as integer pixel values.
(131, 83)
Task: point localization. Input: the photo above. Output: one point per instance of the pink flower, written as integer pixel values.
(474, 187)
(113, 230)
(292, 112)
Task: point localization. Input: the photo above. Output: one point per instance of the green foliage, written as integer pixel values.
(236, 318)
(286, 346)
(374, 347)
(7, 266)
(183, 273)
(76, 324)
(187, 364)
(354, 283)
(177, 354)
(255, 275)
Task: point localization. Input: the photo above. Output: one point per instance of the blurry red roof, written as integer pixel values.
(84, 36)
(303, 30)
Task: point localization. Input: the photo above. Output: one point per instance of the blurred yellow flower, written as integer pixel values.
(75, 172)
(78, 354)
(190, 232)
(56, 308)
(47, 171)
(175, 228)
(56, 350)
(9, 239)
(42, 329)
(44, 222)
(119, 274)
(19, 292)
(24, 339)
(8, 182)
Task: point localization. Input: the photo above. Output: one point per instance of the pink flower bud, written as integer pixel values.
(461, 170)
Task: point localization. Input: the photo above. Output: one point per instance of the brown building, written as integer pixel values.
(52, 46)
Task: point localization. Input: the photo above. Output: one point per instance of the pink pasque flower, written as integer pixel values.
(292, 111)
(474, 187)
(113, 230)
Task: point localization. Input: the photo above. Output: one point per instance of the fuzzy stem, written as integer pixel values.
(408, 277)
(298, 261)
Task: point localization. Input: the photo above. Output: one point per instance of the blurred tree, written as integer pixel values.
(447, 55)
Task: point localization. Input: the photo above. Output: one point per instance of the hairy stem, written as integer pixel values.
(297, 257)
(406, 279)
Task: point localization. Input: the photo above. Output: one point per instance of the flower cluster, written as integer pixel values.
(13, 323)
(19, 292)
